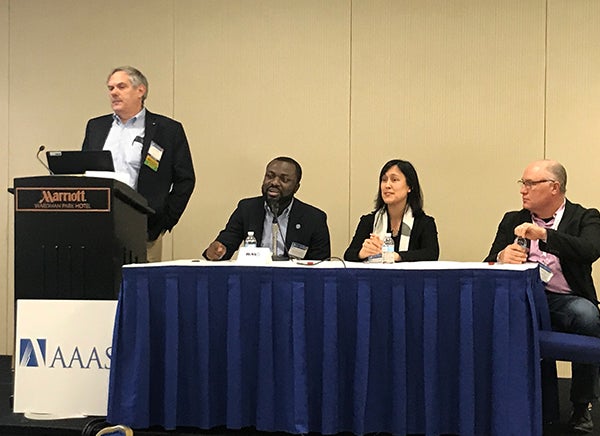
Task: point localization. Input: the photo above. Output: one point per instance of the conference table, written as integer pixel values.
(411, 348)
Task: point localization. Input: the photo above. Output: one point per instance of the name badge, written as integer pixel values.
(153, 157)
(545, 273)
(297, 251)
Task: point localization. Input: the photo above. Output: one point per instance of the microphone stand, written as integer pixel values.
(42, 148)
(274, 206)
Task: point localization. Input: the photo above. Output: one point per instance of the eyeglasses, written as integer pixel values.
(531, 183)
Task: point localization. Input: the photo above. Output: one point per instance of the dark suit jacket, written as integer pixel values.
(576, 243)
(168, 189)
(307, 225)
(423, 243)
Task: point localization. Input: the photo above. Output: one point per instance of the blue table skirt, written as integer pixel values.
(327, 350)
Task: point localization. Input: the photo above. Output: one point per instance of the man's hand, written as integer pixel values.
(531, 231)
(215, 251)
(513, 253)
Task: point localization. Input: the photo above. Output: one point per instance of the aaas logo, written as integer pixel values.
(32, 353)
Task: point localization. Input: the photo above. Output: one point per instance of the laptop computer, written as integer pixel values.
(78, 162)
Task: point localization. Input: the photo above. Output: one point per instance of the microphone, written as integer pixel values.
(274, 206)
(40, 149)
(275, 230)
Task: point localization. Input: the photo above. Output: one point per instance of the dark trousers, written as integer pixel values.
(574, 314)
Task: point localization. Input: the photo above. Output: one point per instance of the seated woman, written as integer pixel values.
(399, 211)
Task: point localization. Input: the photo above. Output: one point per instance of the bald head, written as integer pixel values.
(553, 169)
(544, 186)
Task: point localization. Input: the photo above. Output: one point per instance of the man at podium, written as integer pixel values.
(150, 151)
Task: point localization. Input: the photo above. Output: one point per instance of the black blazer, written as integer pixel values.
(168, 189)
(576, 243)
(307, 225)
(423, 243)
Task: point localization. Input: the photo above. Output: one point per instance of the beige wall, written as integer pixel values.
(258, 80)
(6, 300)
(467, 90)
(457, 88)
(573, 95)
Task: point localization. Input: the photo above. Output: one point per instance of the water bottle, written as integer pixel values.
(250, 240)
(388, 249)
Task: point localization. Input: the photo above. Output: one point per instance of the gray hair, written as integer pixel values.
(559, 173)
(135, 76)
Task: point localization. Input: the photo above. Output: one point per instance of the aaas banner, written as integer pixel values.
(62, 357)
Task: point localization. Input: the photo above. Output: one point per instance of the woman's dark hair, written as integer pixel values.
(415, 196)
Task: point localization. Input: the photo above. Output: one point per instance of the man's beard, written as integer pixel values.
(281, 202)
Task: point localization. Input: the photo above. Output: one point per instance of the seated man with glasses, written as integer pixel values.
(564, 238)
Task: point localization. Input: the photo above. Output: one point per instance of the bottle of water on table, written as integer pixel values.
(250, 240)
(388, 249)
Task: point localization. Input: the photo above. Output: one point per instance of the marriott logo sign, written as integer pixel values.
(63, 199)
(58, 196)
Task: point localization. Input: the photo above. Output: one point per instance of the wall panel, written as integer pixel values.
(61, 54)
(255, 80)
(573, 109)
(457, 88)
(6, 307)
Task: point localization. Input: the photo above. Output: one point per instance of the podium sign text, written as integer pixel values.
(62, 199)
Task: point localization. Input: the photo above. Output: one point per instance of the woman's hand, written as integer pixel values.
(370, 247)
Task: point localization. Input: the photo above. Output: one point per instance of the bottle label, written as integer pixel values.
(250, 240)
(388, 253)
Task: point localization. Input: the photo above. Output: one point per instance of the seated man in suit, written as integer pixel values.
(298, 222)
(564, 239)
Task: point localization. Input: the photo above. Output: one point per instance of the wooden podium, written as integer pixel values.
(73, 234)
